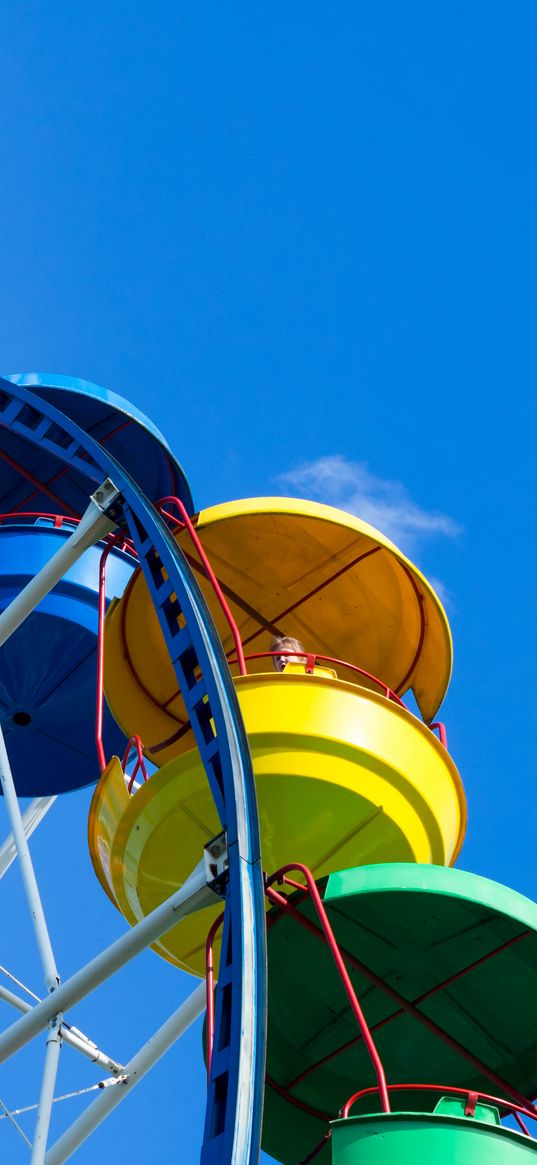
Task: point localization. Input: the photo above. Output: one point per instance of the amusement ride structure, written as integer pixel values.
(288, 837)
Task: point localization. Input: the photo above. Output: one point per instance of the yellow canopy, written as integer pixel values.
(292, 567)
(331, 580)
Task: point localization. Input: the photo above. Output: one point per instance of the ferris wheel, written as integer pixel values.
(285, 834)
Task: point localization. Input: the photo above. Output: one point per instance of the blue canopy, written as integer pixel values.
(48, 666)
(30, 479)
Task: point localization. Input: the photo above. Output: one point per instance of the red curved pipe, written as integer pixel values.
(369, 1042)
(187, 522)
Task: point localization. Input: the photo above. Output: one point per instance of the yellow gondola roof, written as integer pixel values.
(331, 580)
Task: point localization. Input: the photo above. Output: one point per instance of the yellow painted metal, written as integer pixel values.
(343, 775)
(289, 566)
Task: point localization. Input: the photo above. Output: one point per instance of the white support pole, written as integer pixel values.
(50, 1071)
(193, 895)
(82, 1043)
(15, 1000)
(29, 879)
(15, 1123)
(93, 526)
(31, 818)
(70, 1035)
(135, 1070)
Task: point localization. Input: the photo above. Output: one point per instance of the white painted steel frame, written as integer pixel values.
(31, 818)
(15, 1123)
(135, 1070)
(93, 526)
(50, 1072)
(29, 879)
(194, 894)
(70, 1035)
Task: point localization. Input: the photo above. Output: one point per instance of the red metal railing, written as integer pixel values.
(473, 1098)
(280, 877)
(442, 734)
(121, 542)
(136, 744)
(186, 522)
(310, 661)
(113, 542)
(99, 690)
(312, 657)
(57, 519)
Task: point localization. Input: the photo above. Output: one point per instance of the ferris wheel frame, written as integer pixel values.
(233, 1120)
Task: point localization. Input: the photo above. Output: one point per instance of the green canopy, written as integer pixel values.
(422, 943)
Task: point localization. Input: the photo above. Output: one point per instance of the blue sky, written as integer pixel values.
(302, 239)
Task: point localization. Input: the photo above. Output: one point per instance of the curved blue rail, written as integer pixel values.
(235, 1097)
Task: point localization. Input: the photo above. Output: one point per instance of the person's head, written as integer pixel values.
(286, 643)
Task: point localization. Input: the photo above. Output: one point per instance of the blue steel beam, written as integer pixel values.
(235, 1096)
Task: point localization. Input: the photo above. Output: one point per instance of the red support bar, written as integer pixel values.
(277, 619)
(39, 485)
(209, 989)
(317, 1149)
(56, 477)
(136, 677)
(342, 971)
(186, 521)
(316, 1112)
(395, 1014)
(405, 682)
(521, 1124)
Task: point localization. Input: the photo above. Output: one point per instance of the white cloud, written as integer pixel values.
(351, 486)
